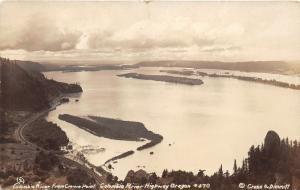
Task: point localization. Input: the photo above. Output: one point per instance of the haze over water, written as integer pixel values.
(206, 125)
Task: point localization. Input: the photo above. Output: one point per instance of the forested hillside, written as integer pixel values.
(29, 90)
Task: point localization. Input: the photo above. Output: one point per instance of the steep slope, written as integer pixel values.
(20, 90)
(31, 66)
(29, 90)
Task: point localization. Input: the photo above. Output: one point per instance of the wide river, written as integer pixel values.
(203, 126)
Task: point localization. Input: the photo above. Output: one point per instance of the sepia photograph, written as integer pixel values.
(149, 95)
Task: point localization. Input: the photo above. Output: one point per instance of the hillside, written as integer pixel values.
(31, 66)
(29, 90)
(250, 66)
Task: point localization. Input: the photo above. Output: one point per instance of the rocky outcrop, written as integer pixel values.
(272, 144)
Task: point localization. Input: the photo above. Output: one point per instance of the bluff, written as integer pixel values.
(272, 144)
(28, 89)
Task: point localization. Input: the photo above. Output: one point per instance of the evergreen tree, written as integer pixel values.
(165, 173)
(220, 172)
(234, 167)
(201, 173)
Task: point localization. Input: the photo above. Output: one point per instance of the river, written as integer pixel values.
(203, 126)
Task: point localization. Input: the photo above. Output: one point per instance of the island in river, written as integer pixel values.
(114, 129)
(163, 78)
(227, 75)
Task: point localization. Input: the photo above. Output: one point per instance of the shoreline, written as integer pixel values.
(62, 156)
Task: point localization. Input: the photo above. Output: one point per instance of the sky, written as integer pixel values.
(159, 30)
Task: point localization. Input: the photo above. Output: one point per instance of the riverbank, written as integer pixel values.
(163, 78)
(35, 157)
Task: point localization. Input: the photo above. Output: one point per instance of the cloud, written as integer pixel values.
(158, 30)
(148, 34)
(38, 33)
(221, 49)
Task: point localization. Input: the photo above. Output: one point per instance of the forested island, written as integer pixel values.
(179, 72)
(259, 80)
(114, 129)
(163, 78)
(244, 78)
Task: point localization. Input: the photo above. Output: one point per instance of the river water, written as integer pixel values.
(203, 126)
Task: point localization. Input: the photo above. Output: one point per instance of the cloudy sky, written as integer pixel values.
(135, 30)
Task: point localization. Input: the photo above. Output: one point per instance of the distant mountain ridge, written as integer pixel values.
(29, 89)
(45, 67)
(280, 67)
